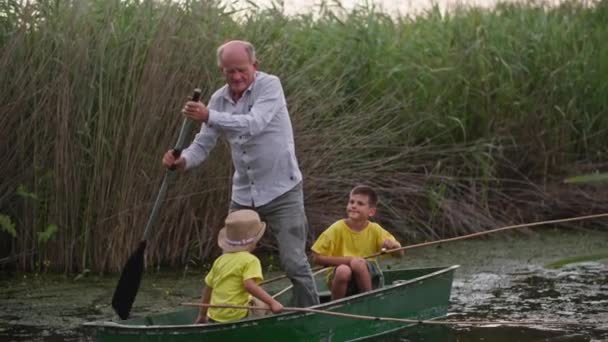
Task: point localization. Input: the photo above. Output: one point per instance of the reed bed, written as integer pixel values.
(463, 121)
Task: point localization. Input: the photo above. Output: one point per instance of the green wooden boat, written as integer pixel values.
(420, 294)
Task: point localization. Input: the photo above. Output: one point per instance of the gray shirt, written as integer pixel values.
(259, 131)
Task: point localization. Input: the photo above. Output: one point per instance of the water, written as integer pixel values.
(492, 334)
(503, 278)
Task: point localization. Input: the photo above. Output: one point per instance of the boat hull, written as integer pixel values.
(420, 294)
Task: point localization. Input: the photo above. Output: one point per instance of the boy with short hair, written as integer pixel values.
(234, 276)
(346, 242)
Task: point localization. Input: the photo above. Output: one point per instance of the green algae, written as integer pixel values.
(576, 259)
(34, 305)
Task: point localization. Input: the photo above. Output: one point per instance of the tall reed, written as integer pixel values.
(463, 121)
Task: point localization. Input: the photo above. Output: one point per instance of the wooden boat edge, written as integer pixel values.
(286, 315)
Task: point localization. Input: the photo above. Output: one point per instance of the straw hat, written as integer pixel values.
(242, 229)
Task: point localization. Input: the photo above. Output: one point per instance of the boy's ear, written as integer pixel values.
(372, 211)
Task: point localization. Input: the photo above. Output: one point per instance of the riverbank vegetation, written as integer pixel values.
(463, 121)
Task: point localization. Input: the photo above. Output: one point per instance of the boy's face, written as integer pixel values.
(358, 208)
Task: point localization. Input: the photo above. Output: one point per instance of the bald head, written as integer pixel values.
(236, 49)
(236, 60)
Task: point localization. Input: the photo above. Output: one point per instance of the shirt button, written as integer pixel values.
(251, 183)
(244, 152)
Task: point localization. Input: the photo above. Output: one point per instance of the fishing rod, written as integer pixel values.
(523, 225)
(424, 244)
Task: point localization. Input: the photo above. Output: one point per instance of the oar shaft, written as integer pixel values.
(130, 277)
(160, 197)
(170, 173)
(388, 319)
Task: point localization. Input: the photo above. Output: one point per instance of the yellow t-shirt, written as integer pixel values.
(340, 240)
(226, 279)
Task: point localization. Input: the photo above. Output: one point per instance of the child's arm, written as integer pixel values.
(202, 313)
(324, 260)
(392, 244)
(255, 290)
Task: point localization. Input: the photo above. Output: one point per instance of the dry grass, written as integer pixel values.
(463, 122)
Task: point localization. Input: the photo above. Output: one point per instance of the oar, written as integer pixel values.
(424, 244)
(130, 278)
(389, 319)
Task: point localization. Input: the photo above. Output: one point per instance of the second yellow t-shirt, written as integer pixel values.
(226, 279)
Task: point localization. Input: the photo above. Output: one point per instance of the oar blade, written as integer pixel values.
(129, 281)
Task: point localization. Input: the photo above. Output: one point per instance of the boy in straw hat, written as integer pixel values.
(346, 242)
(234, 276)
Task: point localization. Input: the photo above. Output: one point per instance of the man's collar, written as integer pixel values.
(228, 96)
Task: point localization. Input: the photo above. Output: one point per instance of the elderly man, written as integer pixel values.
(251, 112)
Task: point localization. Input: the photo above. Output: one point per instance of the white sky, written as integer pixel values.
(393, 7)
